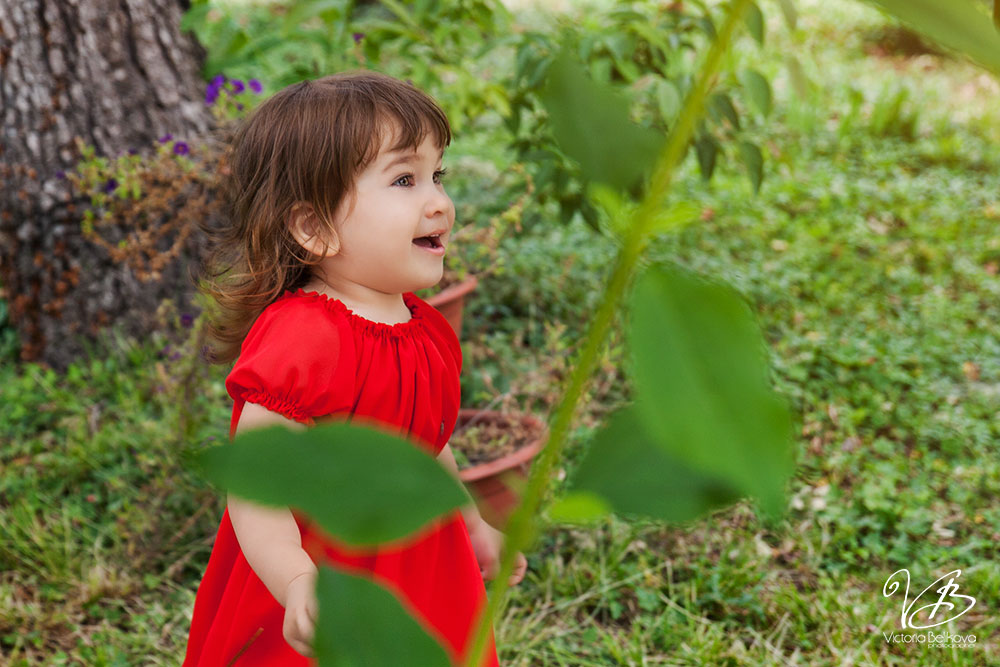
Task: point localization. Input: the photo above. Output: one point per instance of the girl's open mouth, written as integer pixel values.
(431, 243)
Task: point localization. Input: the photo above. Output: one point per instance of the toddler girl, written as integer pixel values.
(337, 215)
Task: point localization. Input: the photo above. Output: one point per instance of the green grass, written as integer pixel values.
(871, 259)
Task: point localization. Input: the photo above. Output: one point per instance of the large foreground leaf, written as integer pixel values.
(702, 384)
(361, 485)
(591, 123)
(636, 475)
(362, 624)
(956, 24)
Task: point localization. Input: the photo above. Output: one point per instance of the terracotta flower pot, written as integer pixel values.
(451, 301)
(496, 483)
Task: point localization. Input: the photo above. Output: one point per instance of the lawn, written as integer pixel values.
(870, 257)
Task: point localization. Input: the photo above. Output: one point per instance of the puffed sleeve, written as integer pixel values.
(297, 360)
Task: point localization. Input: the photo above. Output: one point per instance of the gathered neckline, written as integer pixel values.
(370, 326)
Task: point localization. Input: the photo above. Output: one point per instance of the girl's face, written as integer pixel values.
(399, 201)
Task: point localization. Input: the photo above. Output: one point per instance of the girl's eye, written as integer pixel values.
(438, 175)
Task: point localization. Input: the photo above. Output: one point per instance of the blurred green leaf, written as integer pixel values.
(721, 106)
(361, 623)
(706, 148)
(790, 13)
(758, 89)
(195, 16)
(591, 123)
(674, 216)
(579, 507)
(755, 22)
(636, 474)
(702, 380)
(328, 10)
(798, 76)
(707, 25)
(754, 162)
(361, 485)
(956, 24)
(668, 99)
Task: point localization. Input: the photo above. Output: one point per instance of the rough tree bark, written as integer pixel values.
(118, 74)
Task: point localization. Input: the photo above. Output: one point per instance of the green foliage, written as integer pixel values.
(608, 150)
(446, 47)
(702, 384)
(360, 484)
(754, 19)
(278, 43)
(9, 345)
(431, 42)
(361, 623)
(452, 49)
(644, 50)
(758, 89)
(628, 469)
(960, 25)
(106, 179)
(892, 115)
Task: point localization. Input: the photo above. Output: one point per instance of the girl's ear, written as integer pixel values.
(310, 233)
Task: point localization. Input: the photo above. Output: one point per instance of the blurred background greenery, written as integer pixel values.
(869, 254)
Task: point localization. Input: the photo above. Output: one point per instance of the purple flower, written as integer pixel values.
(60, 174)
(211, 94)
(255, 85)
(110, 185)
(218, 80)
(175, 356)
(132, 151)
(358, 36)
(166, 137)
(187, 319)
(181, 148)
(239, 106)
(237, 85)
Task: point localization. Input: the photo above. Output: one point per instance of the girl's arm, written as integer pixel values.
(269, 537)
(469, 512)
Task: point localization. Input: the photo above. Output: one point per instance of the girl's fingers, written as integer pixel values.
(306, 632)
(312, 611)
(301, 648)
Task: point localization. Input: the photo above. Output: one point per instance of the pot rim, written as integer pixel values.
(517, 457)
(455, 291)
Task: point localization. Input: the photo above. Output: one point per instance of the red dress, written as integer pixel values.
(308, 356)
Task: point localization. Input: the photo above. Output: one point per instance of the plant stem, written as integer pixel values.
(521, 527)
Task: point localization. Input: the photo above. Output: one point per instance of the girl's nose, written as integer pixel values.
(439, 203)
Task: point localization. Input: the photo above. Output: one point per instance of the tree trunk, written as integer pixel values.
(118, 74)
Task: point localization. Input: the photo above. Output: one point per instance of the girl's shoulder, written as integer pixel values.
(298, 359)
(296, 319)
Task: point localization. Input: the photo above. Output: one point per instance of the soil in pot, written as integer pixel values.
(494, 452)
(480, 441)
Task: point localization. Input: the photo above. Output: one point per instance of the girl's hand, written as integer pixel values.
(301, 610)
(487, 542)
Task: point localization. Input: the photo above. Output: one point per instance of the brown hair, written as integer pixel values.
(306, 143)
